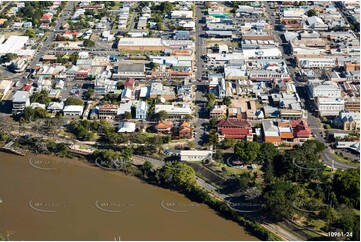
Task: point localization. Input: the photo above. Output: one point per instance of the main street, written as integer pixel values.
(313, 122)
(200, 100)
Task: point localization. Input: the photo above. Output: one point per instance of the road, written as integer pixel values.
(131, 23)
(49, 39)
(200, 100)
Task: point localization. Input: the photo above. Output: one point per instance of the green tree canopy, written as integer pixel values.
(247, 150)
(311, 12)
(73, 101)
(227, 101)
(161, 115)
(177, 175)
(346, 185)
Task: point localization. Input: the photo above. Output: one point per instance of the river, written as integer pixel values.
(51, 198)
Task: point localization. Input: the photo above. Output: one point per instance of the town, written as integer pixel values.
(246, 93)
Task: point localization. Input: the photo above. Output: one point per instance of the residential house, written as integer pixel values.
(55, 107)
(164, 126)
(185, 130)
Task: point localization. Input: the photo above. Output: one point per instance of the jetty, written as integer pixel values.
(8, 148)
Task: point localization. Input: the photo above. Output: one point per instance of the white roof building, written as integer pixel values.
(13, 44)
(195, 155)
(126, 127)
(73, 110)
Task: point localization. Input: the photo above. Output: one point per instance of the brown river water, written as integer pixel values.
(51, 198)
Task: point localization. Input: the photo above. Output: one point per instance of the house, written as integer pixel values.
(316, 23)
(46, 18)
(108, 111)
(347, 121)
(218, 112)
(126, 127)
(125, 107)
(164, 126)
(185, 130)
(21, 99)
(73, 110)
(301, 131)
(55, 107)
(181, 35)
(141, 110)
(195, 155)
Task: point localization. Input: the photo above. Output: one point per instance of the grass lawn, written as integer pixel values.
(342, 159)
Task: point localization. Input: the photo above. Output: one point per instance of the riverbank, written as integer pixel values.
(75, 189)
(202, 196)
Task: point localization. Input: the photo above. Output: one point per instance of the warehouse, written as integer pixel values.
(142, 44)
(13, 44)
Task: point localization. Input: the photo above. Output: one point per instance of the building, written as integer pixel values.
(318, 88)
(108, 111)
(14, 44)
(164, 126)
(301, 131)
(235, 129)
(5, 86)
(141, 44)
(141, 111)
(277, 132)
(130, 70)
(185, 130)
(330, 106)
(21, 100)
(174, 112)
(126, 127)
(55, 107)
(218, 112)
(355, 146)
(182, 15)
(73, 110)
(195, 155)
(347, 121)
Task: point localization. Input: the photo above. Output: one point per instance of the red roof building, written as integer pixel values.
(301, 130)
(234, 129)
(129, 83)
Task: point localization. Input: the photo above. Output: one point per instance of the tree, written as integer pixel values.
(88, 43)
(228, 143)
(278, 198)
(177, 175)
(211, 99)
(127, 115)
(30, 33)
(227, 101)
(267, 152)
(161, 115)
(311, 12)
(89, 93)
(73, 101)
(146, 168)
(126, 153)
(188, 117)
(213, 137)
(346, 185)
(154, 65)
(41, 97)
(247, 151)
(213, 122)
(8, 57)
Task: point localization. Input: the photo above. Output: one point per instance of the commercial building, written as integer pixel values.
(5, 86)
(21, 100)
(330, 106)
(195, 155)
(13, 44)
(73, 110)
